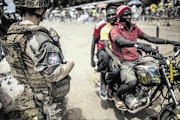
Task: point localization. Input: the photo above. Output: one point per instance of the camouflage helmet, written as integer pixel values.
(32, 3)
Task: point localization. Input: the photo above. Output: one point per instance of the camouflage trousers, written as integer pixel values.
(51, 101)
(52, 105)
(53, 111)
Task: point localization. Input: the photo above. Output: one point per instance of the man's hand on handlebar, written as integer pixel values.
(144, 47)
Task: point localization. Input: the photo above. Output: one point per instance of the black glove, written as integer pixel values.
(144, 47)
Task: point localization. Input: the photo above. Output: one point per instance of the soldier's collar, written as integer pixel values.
(26, 22)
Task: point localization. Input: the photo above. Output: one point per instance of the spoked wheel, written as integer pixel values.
(167, 113)
(173, 117)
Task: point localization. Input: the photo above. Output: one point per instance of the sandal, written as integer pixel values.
(119, 104)
(103, 95)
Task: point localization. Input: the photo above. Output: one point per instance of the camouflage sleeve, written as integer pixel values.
(45, 55)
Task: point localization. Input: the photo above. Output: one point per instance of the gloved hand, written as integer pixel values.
(93, 64)
(144, 47)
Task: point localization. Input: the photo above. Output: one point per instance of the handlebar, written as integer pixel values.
(152, 53)
(157, 55)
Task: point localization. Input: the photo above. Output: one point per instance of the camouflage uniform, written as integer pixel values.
(36, 62)
(34, 58)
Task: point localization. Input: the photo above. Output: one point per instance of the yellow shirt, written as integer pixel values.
(104, 35)
(94, 12)
(104, 12)
(153, 8)
(160, 5)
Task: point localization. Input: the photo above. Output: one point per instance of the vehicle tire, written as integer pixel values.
(167, 113)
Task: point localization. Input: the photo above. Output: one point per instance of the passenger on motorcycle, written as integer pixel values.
(124, 36)
(103, 57)
(113, 73)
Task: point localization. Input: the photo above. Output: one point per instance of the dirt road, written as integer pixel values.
(83, 99)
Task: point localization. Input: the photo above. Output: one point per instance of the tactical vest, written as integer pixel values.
(22, 67)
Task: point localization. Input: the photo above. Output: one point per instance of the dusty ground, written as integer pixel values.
(83, 100)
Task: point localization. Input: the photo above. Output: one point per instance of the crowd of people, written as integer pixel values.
(79, 15)
(95, 14)
(163, 9)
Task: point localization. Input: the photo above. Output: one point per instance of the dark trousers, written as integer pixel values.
(103, 61)
(113, 73)
(105, 65)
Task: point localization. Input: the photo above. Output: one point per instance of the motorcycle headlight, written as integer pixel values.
(154, 71)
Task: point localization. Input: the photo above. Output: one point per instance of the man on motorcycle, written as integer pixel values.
(36, 60)
(124, 36)
(102, 55)
(114, 62)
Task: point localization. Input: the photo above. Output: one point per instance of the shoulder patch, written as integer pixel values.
(53, 58)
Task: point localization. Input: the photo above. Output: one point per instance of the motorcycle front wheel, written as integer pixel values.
(167, 113)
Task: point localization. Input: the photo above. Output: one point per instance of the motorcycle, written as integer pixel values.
(160, 75)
